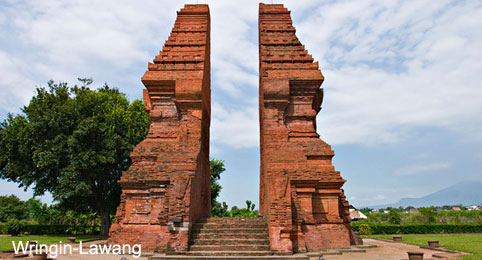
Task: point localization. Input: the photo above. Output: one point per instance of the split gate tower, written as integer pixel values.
(167, 188)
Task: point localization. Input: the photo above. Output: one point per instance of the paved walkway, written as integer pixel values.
(384, 250)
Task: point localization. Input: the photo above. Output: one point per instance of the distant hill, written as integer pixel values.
(466, 193)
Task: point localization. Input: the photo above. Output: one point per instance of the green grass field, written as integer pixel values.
(470, 243)
(6, 242)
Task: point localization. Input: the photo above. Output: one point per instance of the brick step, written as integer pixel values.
(232, 220)
(229, 225)
(242, 241)
(233, 231)
(229, 248)
(230, 236)
(240, 257)
(229, 253)
(233, 237)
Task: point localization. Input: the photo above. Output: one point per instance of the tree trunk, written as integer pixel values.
(105, 225)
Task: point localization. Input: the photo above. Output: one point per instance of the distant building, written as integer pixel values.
(413, 211)
(356, 214)
(375, 211)
(474, 208)
(456, 208)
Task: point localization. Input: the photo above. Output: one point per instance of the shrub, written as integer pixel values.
(364, 230)
(394, 217)
(420, 228)
(428, 214)
(3, 228)
(14, 227)
(62, 229)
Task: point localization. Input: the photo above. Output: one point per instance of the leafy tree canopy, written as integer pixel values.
(216, 168)
(73, 142)
(11, 207)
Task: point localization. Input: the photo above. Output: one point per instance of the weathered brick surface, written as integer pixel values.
(167, 188)
(300, 191)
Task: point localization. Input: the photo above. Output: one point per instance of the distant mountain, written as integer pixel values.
(466, 193)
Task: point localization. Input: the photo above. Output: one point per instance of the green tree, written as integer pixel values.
(394, 217)
(250, 205)
(428, 214)
(12, 208)
(73, 142)
(366, 210)
(244, 212)
(216, 168)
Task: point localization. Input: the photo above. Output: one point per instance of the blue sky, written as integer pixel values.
(403, 94)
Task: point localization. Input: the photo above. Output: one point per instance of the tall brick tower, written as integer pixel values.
(167, 188)
(300, 191)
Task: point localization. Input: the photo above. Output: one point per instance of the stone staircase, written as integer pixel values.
(230, 236)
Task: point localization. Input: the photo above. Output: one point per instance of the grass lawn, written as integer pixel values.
(470, 243)
(6, 242)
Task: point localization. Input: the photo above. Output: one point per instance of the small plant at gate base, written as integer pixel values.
(365, 230)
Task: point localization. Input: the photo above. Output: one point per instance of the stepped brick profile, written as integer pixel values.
(300, 191)
(167, 188)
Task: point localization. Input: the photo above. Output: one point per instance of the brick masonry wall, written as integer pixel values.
(300, 191)
(167, 188)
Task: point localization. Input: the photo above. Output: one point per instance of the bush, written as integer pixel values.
(365, 230)
(21, 227)
(394, 217)
(61, 229)
(3, 228)
(428, 214)
(14, 227)
(420, 228)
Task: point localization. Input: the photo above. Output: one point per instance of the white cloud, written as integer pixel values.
(390, 66)
(422, 168)
(15, 75)
(235, 127)
(77, 32)
(233, 80)
(380, 197)
(2, 18)
(394, 66)
(110, 41)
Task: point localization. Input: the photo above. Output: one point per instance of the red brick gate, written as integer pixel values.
(167, 188)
